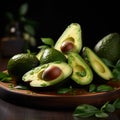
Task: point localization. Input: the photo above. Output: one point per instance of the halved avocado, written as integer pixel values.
(70, 40)
(82, 73)
(48, 74)
(97, 64)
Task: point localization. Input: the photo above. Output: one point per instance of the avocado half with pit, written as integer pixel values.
(97, 64)
(82, 73)
(48, 74)
(70, 40)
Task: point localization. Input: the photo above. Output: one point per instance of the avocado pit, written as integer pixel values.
(51, 73)
(67, 45)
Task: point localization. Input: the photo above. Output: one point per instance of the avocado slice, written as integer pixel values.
(47, 74)
(97, 64)
(82, 73)
(70, 40)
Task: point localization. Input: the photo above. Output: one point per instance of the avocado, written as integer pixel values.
(39, 54)
(82, 73)
(109, 47)
(48, 74)
(70, 40)
(51, 55)
(20, 63)
(97, 64)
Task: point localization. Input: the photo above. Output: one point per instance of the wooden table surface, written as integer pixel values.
(10, 111)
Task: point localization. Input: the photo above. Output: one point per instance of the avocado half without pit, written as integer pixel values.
(82, 73)
(97, 64)
(49, 74)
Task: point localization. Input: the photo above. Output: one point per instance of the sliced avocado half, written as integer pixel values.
(48, 74)
(82, 73)
(97, 64)
(70, 40)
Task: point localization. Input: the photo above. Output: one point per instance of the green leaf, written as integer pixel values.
(107, 107)
(116, 103)
(85, 111)
(42, 47)
(104, 88)
(4, 77)
(92, 88)
(64, 90)
(110, 108)
(9, 16)
(28, 51)
(118, 63)
(48, 41)
(29, 29)
(116, 73)
(23, 9)
(32, 41)
(33, 23)
(108, 63)
(101, 115)
(22, 19)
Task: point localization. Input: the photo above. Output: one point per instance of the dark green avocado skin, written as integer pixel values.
(109, 47)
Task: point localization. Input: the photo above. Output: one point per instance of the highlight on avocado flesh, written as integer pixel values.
(70, 40)
(82, 73)
(48, 74)
(97, 64)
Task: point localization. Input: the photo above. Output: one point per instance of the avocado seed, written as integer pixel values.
(51, 73)
(67, 46)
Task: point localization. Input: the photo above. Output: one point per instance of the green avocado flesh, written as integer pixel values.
(82, 74)
(97, 64)
(35, 79)
(70, 40)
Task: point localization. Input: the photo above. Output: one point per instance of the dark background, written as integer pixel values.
(97, 18)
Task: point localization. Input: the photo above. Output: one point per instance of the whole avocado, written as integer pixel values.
(20, 63)
(109, 47)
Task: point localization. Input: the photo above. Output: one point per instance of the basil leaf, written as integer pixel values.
(101, 115)
(116, 103)
(85, 110)
(116, 73)
(29, 29)
(118, 63)
(104, 88)
(23, 9)
(108, 63)
(64, 90)
(92, 88)
(4, 77)
(48, 41)
(107, 107)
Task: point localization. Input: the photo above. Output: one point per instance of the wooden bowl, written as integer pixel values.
(52, 100)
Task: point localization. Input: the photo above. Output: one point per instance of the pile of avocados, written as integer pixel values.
(80, 65)
(67, 62)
